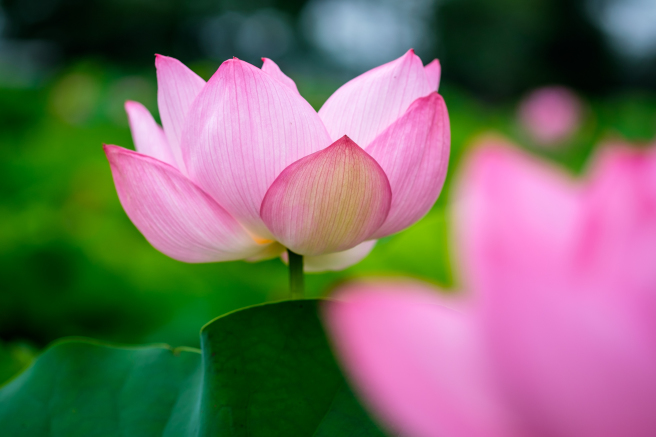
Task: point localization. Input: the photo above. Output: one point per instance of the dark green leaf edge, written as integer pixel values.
(94, 342)
(266, 370)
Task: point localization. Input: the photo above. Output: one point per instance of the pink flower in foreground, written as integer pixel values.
(558, 334)
(551, 114)
(244, 167)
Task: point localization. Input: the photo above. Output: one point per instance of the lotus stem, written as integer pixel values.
(296, 279)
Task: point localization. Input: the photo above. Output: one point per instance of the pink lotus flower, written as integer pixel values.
(558, 335)
(551, 115)
(244, 167)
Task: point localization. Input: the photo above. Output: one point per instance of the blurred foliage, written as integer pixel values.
(127, 31)
(496, 48)
(500, 48)
(15, 357)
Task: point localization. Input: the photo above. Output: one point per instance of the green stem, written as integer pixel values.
(296, 279)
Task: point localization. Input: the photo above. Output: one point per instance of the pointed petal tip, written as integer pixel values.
(434, 73)
(112, 152)
(392, 87)
(409, 55)
(109, 148)
(161, 58)
(272, 69)
(177, 87)
(229, 62)
(148, 137)
(432, 97)
(344, 142)
(130, 104)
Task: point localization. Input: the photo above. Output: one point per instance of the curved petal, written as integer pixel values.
(365, 106)
(335, 261)
(619, 236)
(512, 208)
(572, 361)
(272, 69)
(414, 152)
(175, 216)
(244, 129)
(148, 137)
(177, 87)
(616, 254)
(434, 73)
(416, 362)
(329, 201)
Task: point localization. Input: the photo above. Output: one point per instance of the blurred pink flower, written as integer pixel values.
(558, 335)
(244, 167)
(551, 115)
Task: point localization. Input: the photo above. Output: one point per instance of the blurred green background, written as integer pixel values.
(71, 262)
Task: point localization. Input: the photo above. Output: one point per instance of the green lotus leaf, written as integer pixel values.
(263, 371)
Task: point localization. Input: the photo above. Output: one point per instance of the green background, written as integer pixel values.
(71, 262)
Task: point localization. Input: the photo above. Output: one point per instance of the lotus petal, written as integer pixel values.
(272, 69)
(368, 104)
(434, 73)
(335, 261)
(244, 129)
(619, 232)
(148, 137)
(571, 360)
(177, 87)
(416, 361)
(177, 217)
(526, 202)
(414, 152)
(329, 201)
